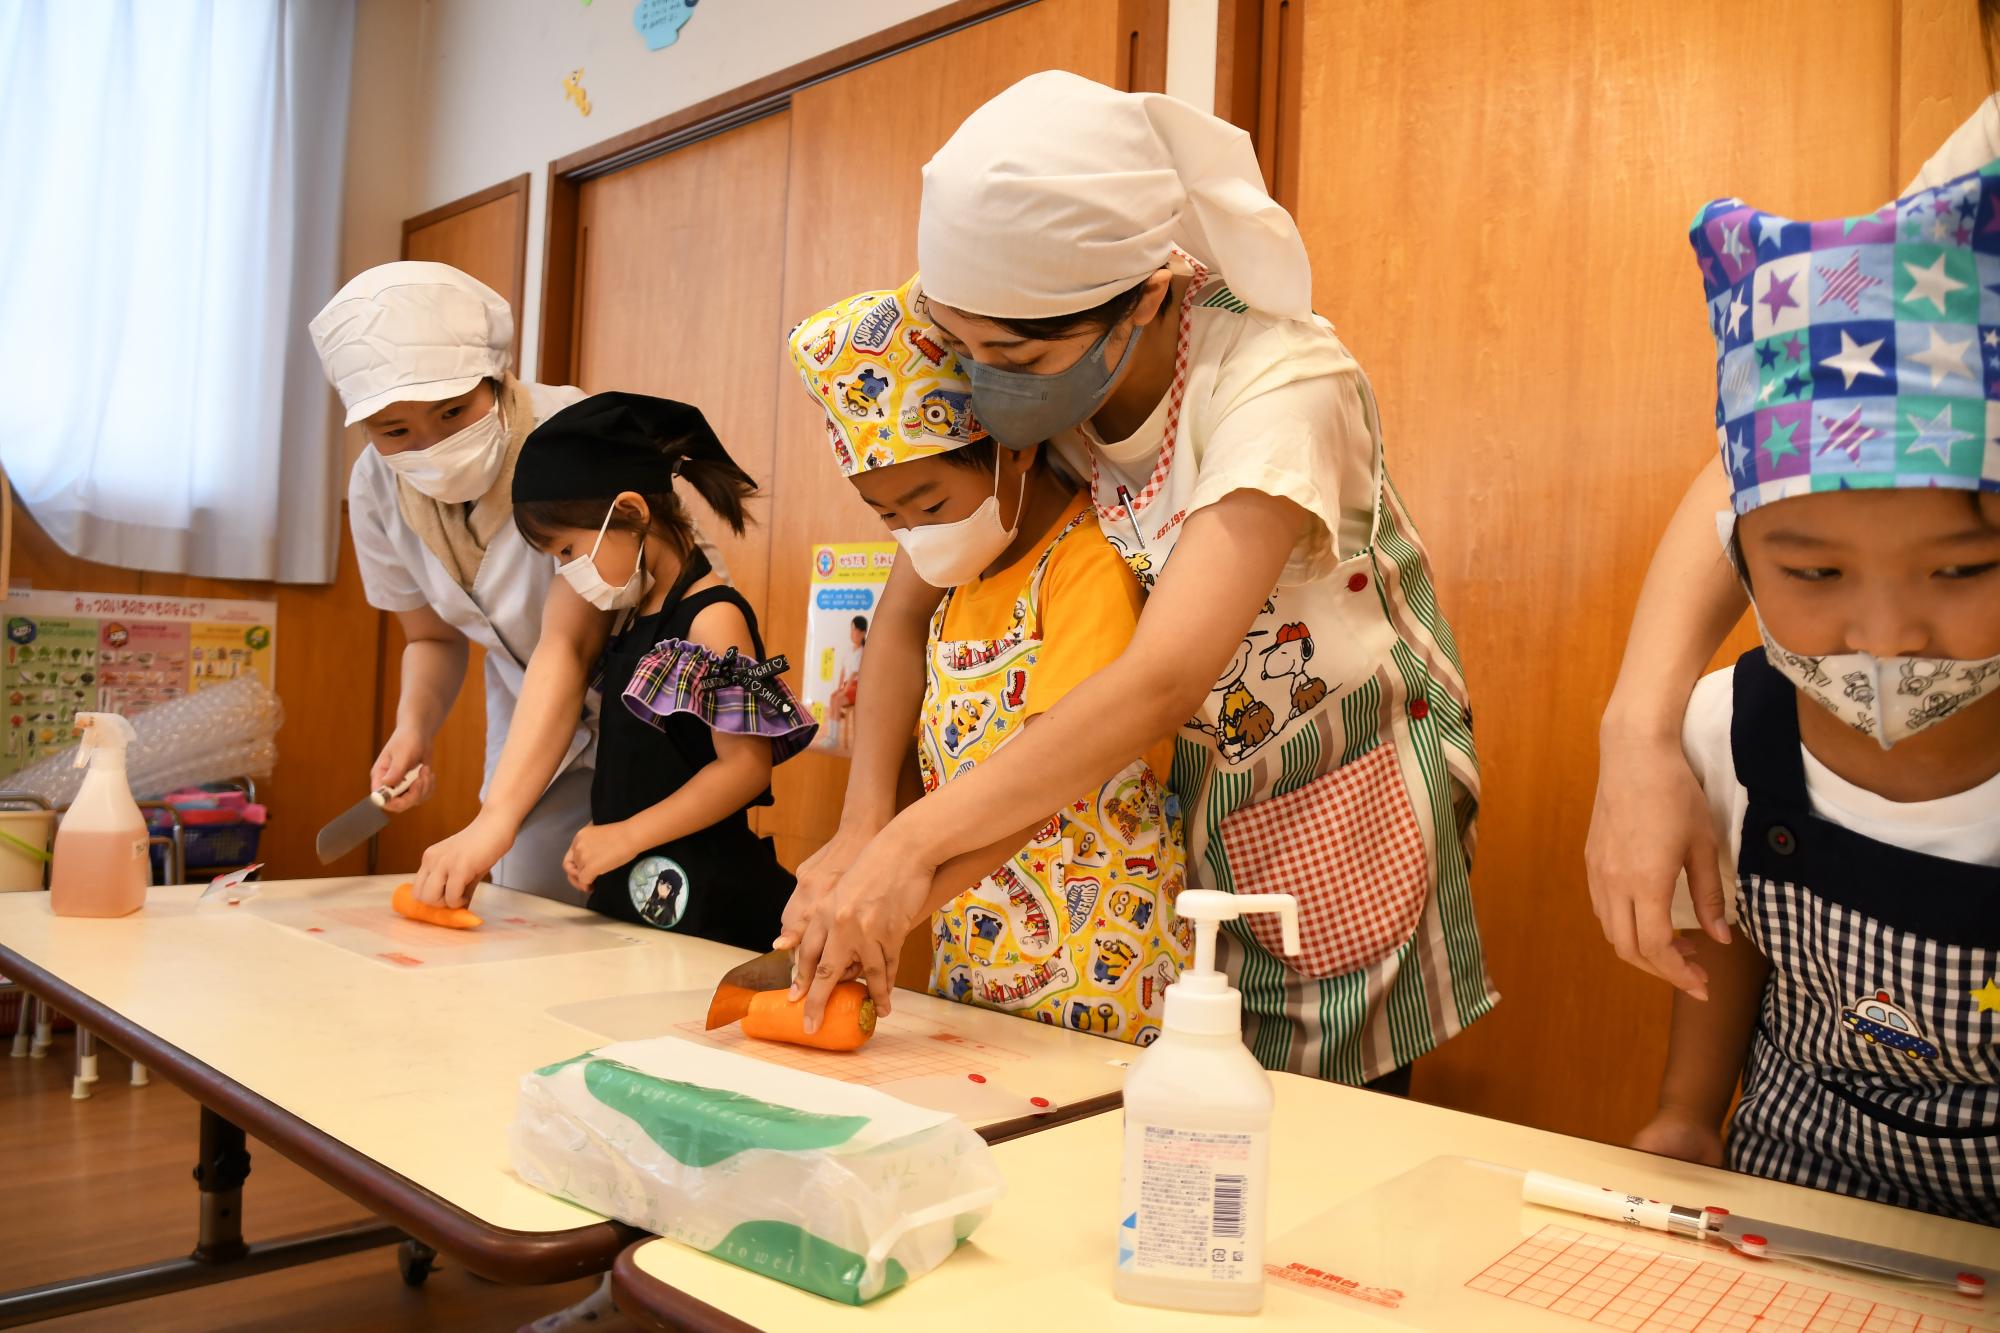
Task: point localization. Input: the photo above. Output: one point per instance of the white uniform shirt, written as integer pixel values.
(1970, 147)
(502, 613)
(1964, 827)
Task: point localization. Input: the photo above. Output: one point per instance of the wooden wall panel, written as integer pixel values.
(486, 235)
(1496, 196)
(327, 637)
(836, 246)
(1943, 71)
(678, 296)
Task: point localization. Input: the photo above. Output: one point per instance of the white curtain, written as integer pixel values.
(170, 186)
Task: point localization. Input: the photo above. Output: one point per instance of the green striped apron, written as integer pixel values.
(1377, 844)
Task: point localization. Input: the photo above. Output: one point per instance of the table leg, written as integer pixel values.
(24, 1026)
(86, 1065)
(220, 1254)
(220, 1171)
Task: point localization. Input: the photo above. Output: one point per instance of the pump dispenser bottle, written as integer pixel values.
(101, 866)
(1197, 1136)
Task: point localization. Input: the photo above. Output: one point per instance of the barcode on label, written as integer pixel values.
(1229, 1205)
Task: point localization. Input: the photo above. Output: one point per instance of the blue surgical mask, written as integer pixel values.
(1021, 409)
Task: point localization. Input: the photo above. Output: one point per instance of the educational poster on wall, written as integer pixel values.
(847, 583)
(86, 652)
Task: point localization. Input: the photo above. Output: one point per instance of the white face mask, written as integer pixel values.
(581, 575)
(948, 554)
(458, 468)
(1889, 698)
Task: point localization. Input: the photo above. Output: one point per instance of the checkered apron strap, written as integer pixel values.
(1348, 845)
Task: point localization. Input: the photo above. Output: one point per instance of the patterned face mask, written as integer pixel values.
(1889, 698)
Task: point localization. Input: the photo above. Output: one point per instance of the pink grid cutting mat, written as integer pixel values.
(1617, 1285)
(918, 1050)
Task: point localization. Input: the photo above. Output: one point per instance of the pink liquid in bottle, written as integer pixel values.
(101, 866)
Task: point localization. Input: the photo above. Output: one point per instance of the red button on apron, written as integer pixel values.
(1357, 582)
(1420, 709)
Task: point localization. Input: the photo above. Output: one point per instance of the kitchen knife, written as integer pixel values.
(360, 821)
(772, 971)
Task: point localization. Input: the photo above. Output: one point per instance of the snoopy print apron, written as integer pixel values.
(1332, 759)
(1874, 1067)
(1079, 928)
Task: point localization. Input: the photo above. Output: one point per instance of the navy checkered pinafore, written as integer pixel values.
(1874, 1069)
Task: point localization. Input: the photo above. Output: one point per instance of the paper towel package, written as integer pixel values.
(828, 1186)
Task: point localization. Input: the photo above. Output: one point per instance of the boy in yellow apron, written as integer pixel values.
(1078, 927)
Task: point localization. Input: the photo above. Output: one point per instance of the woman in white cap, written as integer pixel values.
(1117, 279)
(419, 353)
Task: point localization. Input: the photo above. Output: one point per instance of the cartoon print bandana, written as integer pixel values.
(892, 391)
(1858, 352)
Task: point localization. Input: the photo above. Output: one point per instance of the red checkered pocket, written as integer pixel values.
(1348, 845)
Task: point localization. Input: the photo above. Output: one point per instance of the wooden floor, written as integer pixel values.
(104, 1184)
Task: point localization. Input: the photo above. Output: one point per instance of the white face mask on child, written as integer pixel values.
(1889, 698)
(948, 554)
(582, 576)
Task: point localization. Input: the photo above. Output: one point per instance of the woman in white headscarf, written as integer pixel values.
(419, 353)
(1118, 280)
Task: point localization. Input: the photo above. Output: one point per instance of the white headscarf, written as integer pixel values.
(1061, 193)
(411, 331)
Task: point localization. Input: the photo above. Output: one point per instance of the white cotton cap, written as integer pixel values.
(411, 331)
(1061, 193)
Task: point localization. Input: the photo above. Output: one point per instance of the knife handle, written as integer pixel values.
(383, 795)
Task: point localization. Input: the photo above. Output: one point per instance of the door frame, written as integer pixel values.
(518, 186)
(1257, 83)
(1142, 67)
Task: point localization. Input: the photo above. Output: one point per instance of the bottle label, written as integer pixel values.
(1191, 1203)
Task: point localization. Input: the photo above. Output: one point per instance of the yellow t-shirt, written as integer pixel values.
(1090, 607)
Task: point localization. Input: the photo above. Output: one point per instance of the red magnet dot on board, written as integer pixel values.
(1971, 1284)
(1420, 709)
(1357, 583)
(977, 1078)
(1038, 1101)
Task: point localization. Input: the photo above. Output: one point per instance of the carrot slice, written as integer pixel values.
(457, 918)
(848, 1022)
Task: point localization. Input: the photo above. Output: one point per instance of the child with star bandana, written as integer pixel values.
(1852, 763)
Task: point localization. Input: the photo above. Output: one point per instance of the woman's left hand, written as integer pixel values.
(857, 929)
(596, 849)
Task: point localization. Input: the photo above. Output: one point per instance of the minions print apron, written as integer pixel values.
(1078, 929)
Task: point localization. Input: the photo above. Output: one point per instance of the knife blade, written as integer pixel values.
(360, 821)
(771, 971)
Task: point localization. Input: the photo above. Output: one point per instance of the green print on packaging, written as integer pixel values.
(801, 1259)
(702, 1126)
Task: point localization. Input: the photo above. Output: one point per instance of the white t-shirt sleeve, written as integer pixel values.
(386, 579)
(1306, 442)
(1705, 739)
(1970, 147)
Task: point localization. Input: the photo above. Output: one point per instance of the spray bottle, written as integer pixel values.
(101, 865)
(1198, 1136)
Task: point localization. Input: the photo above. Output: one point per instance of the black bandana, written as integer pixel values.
(609, 443)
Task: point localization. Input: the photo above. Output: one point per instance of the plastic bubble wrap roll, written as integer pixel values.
(222, 732)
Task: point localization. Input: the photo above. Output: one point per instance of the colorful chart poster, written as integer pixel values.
(847, 583)
(80, 652)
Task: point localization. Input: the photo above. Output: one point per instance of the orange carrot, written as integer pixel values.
(848, 1022)
(457, 918)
